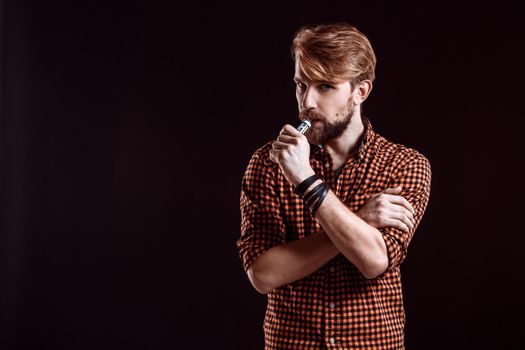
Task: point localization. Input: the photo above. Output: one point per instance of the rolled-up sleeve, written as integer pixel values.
(414, 177)
(261, 223)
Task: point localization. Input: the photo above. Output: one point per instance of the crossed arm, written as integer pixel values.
(287, 263)
(344, 232)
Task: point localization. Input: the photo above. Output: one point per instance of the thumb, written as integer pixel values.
(393, 190)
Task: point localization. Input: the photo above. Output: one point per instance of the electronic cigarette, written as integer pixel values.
(305, 125)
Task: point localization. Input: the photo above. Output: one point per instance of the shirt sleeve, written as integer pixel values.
(262, 226)
(414, 178)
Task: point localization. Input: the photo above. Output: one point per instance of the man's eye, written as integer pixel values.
(301, 86)
(326, 87)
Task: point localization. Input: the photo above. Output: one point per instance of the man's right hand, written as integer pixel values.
(388, 209)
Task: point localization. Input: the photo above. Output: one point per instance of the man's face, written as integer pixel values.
(329, 106)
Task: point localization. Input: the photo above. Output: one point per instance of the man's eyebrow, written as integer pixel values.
(298, 79)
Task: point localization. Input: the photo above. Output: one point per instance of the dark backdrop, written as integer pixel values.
(126, 127)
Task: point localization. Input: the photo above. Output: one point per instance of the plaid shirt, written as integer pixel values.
(335, 307)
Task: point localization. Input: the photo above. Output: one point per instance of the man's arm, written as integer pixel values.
(270, 261)
(374, 253)
(293, 261)
(290, 262)
(287, 263)
(370, 250)
(358, 241)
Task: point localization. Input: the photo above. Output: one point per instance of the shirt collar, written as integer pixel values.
(366, 139)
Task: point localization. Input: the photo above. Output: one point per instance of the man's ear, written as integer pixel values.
(361, 91)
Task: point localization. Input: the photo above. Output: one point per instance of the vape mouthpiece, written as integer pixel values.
(305, 125)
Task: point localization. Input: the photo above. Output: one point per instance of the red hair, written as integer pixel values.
(334, 52)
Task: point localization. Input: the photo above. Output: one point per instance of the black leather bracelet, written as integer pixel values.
(321, 198)
(313, 194)
(303, 186)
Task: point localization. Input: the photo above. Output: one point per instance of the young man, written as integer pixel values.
(327, 216)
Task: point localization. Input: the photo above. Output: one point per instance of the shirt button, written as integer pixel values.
(332, 305)
(332, 269)
(332, 340)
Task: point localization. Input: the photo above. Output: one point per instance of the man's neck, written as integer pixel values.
(346, 145)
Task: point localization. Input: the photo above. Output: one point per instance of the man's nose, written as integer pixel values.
(309, 99)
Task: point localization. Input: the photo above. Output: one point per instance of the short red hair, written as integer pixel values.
(334, 52)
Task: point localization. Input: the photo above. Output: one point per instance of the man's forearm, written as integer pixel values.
(360, 243)
(290, 262)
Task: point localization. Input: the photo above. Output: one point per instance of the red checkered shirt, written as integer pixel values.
(335, 307)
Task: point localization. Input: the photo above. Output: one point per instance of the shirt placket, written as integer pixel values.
(330, 303)
(328, 172)
(332, 309)
(348, 176)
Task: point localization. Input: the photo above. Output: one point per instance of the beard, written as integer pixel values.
(323, 131)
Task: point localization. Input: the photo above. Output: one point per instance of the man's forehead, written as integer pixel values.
(299, 74)
(302, 77)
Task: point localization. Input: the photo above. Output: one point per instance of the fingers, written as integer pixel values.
(407, 215)
(273, 157)
(399, 200)
(396, 199)
(276, 155)
(280, 145)
(287, 139)
(404, 219)
(400, 225)
(290, 130)
(284, 140)
(393, 190)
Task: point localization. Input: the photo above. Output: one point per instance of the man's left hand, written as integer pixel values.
(292, 152)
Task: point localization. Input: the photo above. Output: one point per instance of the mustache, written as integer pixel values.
(311, 115)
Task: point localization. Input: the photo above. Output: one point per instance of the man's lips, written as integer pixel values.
(305, 116)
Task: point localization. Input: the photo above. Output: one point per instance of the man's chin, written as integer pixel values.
(315, 140)
(316, 133)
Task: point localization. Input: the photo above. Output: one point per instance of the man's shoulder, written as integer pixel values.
(263, 152)
(261, 158)
(400, 154)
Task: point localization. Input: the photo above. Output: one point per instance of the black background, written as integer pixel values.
(126, 128)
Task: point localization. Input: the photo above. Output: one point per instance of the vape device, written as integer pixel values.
(305, 125)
